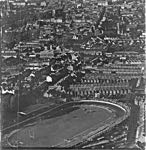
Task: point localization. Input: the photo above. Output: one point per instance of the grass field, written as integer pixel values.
(68, 124)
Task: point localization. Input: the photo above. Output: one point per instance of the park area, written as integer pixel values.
(65, 125)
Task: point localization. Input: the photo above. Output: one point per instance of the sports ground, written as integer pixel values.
(66, 125)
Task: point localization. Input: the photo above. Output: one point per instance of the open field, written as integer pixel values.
(72, 122)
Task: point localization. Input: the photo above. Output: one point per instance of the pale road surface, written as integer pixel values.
(140, 130)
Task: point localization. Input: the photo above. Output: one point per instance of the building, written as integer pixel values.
(8, 53)
(102, 3)
(46, 54)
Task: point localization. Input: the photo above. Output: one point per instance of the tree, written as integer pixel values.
(38, 56)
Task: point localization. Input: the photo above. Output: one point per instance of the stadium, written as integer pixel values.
(68, 125)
